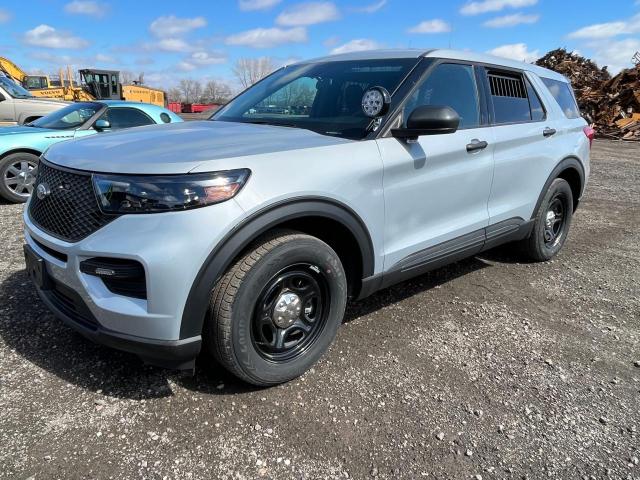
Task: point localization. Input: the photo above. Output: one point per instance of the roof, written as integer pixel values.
(439, 53)
(125, 103)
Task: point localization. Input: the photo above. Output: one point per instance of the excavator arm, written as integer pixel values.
(13, 71)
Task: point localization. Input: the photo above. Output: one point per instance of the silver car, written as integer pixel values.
(330, 179)
(19, 106)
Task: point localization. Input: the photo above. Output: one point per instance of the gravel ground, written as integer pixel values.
(485, 369)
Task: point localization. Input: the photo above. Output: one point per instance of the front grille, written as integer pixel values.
(70, 210)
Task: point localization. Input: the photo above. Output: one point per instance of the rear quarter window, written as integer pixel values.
(563, 94)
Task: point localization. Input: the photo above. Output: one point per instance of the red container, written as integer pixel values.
(202, 107)
(175, 107)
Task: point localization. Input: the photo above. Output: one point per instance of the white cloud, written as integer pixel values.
(609, 29)
(170, 45)
(72, 60)
(171, 26)
(431, 26)
(357, 45)
(102, 58)
(484, 6)
(201, 59)
(615, 54)
(268, 37)
(4, 16)
(372, 8)
(48, 37)
(248, 5)
(516, 51)
(511, 20)
(308, 14)
(86, 7)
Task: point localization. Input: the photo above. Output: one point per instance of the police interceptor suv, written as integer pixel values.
(330, 179)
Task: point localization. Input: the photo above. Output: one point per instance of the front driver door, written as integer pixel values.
(436, 190)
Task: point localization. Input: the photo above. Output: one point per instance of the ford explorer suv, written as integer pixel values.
(18, 106)
(245, 236)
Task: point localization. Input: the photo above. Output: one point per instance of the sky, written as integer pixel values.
(171, 40)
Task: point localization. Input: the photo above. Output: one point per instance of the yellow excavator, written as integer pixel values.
(94, 85)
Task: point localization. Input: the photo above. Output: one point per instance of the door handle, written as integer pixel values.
(549, 132)
(476, 145)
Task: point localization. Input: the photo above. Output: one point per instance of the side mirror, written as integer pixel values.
(2, 98)
(102, 124)
(428, 120)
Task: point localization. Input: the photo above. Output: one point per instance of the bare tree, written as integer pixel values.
(190, 90)
(126, 77)
(249, 70)
(174, 95)
(216, 92)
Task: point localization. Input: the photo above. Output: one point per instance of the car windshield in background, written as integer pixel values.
(323, 97)
(13, 89)
(70, 117)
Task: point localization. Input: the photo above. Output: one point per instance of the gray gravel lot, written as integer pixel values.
(486, 369)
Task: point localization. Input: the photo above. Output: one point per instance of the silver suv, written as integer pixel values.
(18, 106)
(329, 180)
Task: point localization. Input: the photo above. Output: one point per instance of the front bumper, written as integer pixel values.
(171, 247)
(175, 354)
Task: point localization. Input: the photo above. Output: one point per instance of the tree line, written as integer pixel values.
(246, 72)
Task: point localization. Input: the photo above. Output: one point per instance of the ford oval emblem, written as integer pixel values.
(43, 191)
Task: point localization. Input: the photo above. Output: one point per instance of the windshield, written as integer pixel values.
(13, 89)
(73, 116)
(323, 97)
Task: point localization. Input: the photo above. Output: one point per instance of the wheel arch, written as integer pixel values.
(312, 215)
(33, 151)
(571, 170)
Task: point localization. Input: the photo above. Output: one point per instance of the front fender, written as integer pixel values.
(251, 228)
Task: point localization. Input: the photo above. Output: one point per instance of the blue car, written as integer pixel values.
(21, 146)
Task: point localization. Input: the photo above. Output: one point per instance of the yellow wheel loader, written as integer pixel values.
(94, 85)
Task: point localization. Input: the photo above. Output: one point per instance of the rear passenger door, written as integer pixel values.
(525, 148)
(436, 189)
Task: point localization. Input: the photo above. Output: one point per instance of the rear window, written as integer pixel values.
(563, 94)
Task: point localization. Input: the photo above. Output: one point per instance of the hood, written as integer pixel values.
(180, 147)
(44, 101)
(17, 130)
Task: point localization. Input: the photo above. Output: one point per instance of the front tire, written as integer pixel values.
(551, 223)
(277, 309)
(17, 176)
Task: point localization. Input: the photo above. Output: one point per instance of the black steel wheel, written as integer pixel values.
(555, 220)
(551, 223)
(277, 309)
(290, 312)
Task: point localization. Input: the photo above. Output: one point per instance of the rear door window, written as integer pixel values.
(509, 97)
(563, 94)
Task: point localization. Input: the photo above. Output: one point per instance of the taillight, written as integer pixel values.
(590, 133)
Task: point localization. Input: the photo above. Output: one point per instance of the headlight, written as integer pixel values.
(165, 193)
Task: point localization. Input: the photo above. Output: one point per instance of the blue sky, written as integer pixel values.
(170, 40)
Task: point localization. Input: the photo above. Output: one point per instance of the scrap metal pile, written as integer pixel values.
(611, 104)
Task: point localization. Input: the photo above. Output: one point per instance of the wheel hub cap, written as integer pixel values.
(20, 178)
(551, 217)
(287, 310)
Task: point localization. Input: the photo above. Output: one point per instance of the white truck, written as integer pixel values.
(18, 106)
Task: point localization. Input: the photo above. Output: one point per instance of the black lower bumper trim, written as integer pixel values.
(174, 354)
